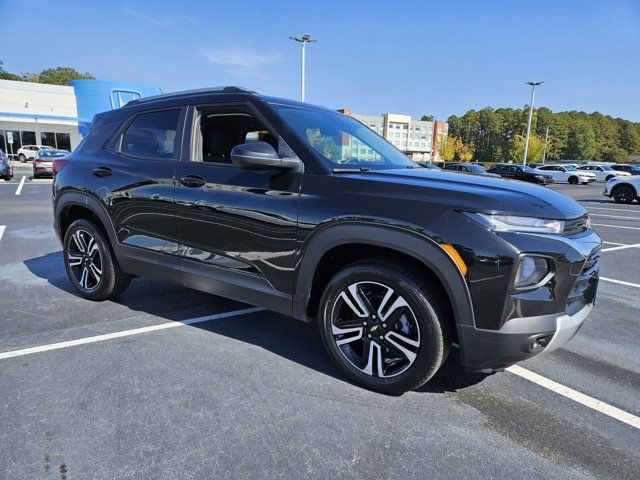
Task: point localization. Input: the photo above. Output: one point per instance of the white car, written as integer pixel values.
(566, 173)
(623, 189)
(603, 172)
(29, 152)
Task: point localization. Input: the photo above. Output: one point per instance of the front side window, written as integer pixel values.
(332, 135)
(152, 135)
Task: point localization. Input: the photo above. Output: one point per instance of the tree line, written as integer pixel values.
(53, 76)
(498, 135)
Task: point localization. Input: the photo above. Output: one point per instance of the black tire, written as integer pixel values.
(585, 183)
(423, 307)
(112, 281)
(35, 175)
(22, 158)
(573, 180)
(623, 194)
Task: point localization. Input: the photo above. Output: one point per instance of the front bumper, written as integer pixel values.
(520, 339)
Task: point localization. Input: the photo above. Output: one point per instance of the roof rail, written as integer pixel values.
(201, 91)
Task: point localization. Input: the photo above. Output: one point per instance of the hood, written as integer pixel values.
(476, 193)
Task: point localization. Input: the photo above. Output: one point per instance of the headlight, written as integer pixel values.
(531, 271)
(513, 223)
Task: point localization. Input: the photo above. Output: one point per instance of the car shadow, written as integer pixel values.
(288, 338)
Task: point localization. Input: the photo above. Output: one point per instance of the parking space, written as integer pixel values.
(166, 382)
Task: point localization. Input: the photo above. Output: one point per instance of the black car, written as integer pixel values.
(626, 167)
(521, 172)
(6, 167)
(260, 199)
(471, 168)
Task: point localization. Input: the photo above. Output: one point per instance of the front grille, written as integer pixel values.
(584, 290)
(576, 225)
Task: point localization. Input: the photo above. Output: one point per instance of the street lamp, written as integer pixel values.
(304, 40)
(526, 142)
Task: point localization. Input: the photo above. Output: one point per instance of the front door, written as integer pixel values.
(237, 227)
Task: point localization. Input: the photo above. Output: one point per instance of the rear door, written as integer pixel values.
(237, 227)
(134, 180)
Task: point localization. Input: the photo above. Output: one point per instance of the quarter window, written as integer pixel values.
(152, 135)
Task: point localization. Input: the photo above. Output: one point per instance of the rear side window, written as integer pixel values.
(152, 135)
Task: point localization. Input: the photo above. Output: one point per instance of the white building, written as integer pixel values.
(58, 116)
(413, 137)
(37, 114)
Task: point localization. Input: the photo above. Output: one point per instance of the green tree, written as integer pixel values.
(61, 75)
(427, 118)
(4, 75)
(534, 152)
(581, 141)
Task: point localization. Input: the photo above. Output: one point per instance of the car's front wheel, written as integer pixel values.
(384, 326)
(623, 194)
(573, 180)
(90, 262)
(22, 158)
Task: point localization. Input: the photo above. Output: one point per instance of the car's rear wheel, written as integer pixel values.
(573, 180)
(623, 194)
(384, 326)
(90, 262)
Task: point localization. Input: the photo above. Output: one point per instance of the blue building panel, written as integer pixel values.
(97, 96)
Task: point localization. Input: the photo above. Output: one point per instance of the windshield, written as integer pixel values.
(476, 169)
(607, 168)
(570, 168)
(342, 140)
(53, 153)
(526, 168)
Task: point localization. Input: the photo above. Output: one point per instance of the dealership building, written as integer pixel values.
(421, 140)
(58, 116)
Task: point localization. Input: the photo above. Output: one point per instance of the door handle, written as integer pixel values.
(102, 172)
(192, 181)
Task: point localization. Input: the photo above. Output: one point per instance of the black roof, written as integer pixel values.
(190, 93)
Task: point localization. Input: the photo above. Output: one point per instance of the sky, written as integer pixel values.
(410, 57)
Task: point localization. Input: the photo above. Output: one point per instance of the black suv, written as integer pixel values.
(521, 172)
(309, 213)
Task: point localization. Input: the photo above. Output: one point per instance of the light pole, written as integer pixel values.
(546, 138)
(526, 142)
(304, 40)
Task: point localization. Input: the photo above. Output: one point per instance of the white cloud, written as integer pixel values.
(157, 21)
(241, 61)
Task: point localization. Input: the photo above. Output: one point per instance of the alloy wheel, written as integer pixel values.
(624, 195)
(375, 329)
(85, 259)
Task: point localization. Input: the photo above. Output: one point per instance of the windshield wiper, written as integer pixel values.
(351, 170)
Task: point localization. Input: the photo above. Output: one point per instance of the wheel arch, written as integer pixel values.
(625, 184)
(72, 205)
(369, 237)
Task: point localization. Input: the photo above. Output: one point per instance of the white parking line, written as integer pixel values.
(613, 243)
(613, 209)
(124, 333)
(614, 226)
(19, 189)
(620, 282)
(576, 396)
(614, 216)
(2, 229)
(620, 247)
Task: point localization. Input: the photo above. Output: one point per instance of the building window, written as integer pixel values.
(28, 138)
(63, 141)
(48, 139)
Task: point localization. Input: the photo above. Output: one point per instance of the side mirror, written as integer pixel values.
(260, 155)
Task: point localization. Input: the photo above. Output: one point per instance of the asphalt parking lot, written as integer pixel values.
(166, 382)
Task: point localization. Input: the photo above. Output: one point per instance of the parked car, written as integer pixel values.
(43, 163)
(6, 166)
(623, 189)
(566, 173)
(472, 168)
(521, 172)
(252, 198)
(30, 152)
(603, 172)
(627, 167)
(429, 165)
